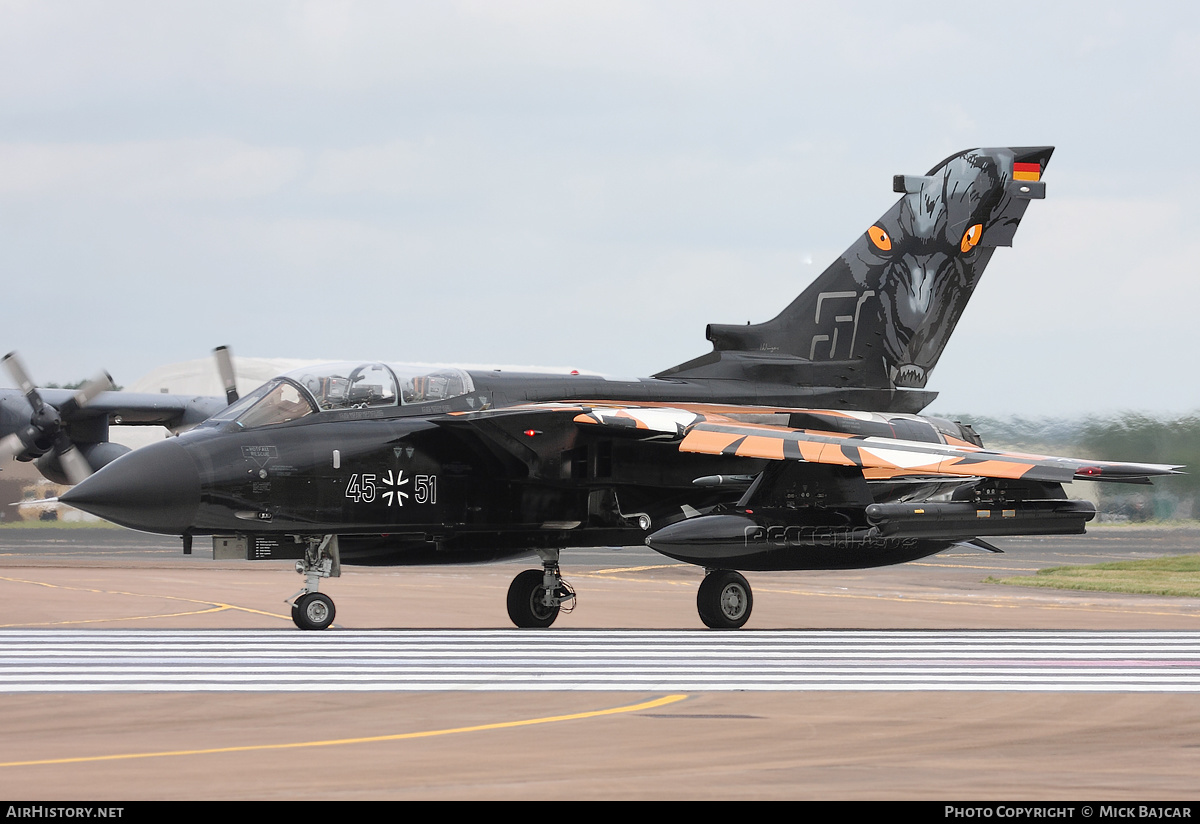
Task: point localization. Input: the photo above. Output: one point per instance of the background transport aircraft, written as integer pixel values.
(757, 455)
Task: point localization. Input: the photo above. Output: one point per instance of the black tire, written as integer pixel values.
(724, 600)
(525, 606)
(313, 611)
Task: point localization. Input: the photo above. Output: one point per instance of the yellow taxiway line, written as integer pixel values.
(209, 606)
(338, 742)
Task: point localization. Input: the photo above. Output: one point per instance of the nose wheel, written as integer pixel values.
(313, 611)
(724, 600)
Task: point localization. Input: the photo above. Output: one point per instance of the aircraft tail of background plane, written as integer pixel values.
(879, 317)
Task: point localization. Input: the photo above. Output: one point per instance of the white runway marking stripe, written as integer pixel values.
(285, 661)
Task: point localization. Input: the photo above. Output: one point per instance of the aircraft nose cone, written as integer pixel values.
(153, 489)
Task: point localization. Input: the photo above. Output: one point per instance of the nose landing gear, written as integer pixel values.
(313, 609)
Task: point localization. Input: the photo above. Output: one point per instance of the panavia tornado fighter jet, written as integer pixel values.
(794, 444)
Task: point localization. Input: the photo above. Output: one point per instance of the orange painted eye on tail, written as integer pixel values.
(971, 237)
(881, 239)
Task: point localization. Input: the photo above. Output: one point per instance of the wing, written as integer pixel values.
(55, 426)
(881, 458)
(741, 432)
(751, 490)
(66, 430)
(701, 430)
(140, 408)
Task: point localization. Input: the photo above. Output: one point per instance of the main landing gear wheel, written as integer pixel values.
(724, 600)
(526, 605)
(313, 611)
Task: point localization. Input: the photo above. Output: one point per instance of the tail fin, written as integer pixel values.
(880, 315)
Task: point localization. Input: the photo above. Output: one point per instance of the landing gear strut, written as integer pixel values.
(535, 597)
(313, 609)
(724, 600)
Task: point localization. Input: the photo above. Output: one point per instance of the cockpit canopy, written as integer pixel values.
(335, 386)
(348, 385)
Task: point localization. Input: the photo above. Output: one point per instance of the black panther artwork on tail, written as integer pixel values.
(926, 255)
(889, 304)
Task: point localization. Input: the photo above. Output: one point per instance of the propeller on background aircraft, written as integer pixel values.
(45, 432)
(225, 368)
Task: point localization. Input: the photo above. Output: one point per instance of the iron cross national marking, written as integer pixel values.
(394, 493)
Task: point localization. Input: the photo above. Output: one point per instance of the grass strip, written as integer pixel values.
(1170, 575)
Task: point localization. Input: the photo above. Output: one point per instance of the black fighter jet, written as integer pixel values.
(793, 444)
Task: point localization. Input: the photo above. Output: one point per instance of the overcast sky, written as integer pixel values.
(585, 184)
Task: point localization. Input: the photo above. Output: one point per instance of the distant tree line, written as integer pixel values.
(1128, 436)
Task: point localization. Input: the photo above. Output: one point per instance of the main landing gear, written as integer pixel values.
(724, 600)
(535, 597)
(313, 609)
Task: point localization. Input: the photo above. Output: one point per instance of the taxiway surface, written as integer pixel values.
(570, 743)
